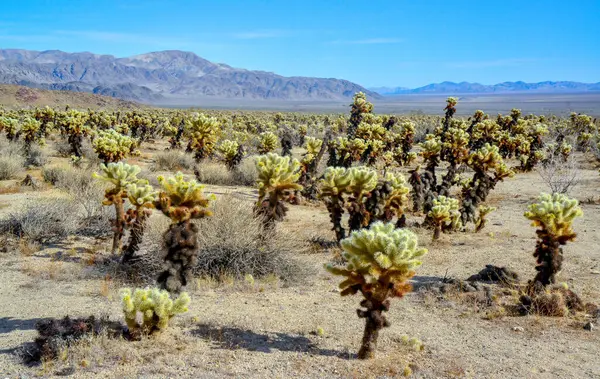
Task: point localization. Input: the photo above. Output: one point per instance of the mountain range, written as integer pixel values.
(449, 88)
(162, 77)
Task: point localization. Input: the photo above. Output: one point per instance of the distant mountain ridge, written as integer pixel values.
(449, 88)
(161, 76)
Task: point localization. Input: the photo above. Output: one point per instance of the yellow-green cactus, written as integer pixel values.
(268, 143)
(142, 197)
(277, 179)
(381, 260)
(554, 216)
(483, 211)
(312, 146)
(397, 199)
(154, 307)
(203, 132)
(10, 126)
(182, 200)
(445, 215)
(112, 146)
(364, 180)
(30, 128)
(120, 175)
(333, 186)
(231, 152)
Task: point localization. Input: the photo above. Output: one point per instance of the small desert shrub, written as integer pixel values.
(10, 149)
(560, 176)
(234, 243)
(63, 148)
(42, 221)
(10, 166)
(37, 157)
(231, 243)
(172, 160)
(86, 195)
(216, 173)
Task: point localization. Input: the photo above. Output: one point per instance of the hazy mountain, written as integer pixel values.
(160, 76)
(449, 88)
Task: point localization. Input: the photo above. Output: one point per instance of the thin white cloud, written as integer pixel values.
(508, 62)
(369, 41)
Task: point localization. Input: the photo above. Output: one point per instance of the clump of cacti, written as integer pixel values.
(148, 311)
(267, 143)
(73, 123)
(553, 215)
(30, 130)
(359, 107)
(232, 153)
(112, 146)
(203, 134)
(10, 126)
(120, 175)
(444, 215)
(181, 201)
(277, 180)
(381, 260)
(366, 196)
(489, 169)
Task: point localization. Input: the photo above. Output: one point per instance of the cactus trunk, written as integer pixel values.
(180, 259)
(374, 322)
(549, 258)
(118, 224)
(136, 235)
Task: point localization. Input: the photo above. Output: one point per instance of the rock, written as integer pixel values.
(589, 326)
(518, 329)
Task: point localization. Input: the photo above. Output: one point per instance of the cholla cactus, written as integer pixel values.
(10, 126)
(153, 307)
(381, 260)
(232, 153)
(203, 133)
(359, 107)
(388, 200)
(46, 117)
(364, 180)
(120, 175)
(267, 143)
(334, 185)
(72, 123)
(112, 146)
(142, 196)
(480, 221)
(445, 215)
(312, 146)
(30, 128)
(484, 161)
(553, 215)
(277, 179)
(181, 201)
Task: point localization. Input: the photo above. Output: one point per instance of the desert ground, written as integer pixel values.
(271, 329)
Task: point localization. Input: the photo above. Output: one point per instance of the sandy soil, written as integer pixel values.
(268, 330)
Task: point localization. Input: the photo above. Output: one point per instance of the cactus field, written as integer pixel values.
(154, 243)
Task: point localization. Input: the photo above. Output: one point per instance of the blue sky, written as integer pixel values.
(375, 43)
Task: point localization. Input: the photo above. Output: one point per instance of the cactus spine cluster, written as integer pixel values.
(203, 133)
(112, 146)
(381, 260)
(153, 307)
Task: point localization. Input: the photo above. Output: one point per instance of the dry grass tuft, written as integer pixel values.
(172, 160)
(216, 173)
(10, 166)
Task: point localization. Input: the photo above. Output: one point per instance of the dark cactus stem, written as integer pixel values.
(118, 223)
(137, 233)
(418, 190)
(181, 243)
(549, 258)
(336, 211)
(271, 209)
(358, 214)
(448, 179)
(237, 158)
(75, 140)
(437, 231)
(374, 322)
(287, 143)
